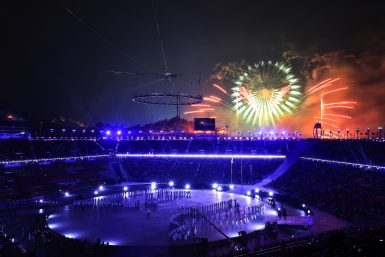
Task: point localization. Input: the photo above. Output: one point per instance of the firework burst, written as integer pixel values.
(266, 92)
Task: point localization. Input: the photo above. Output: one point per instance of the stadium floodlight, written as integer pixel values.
(66, 194)
(231, 186)
(214, 185)
(271, 193)
(41, 201)
(125, 188)
(256, 190)
(96, 192)
(187, 186)
(119, 132)
(303, 205)
(248, 193)
(219, 188)
(171, 183)
(108, 132)
(101, 188)
(153, 185)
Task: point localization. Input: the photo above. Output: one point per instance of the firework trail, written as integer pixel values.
(259, 96)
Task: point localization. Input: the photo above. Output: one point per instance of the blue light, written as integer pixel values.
(171, 183)
(357, 165)
(203, 156)
(119, 132)
(108, 132)
(125, 188)
(187, 186)
(214, 185)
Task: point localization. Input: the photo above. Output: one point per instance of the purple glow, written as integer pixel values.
(356, 165)
(55, 159)
(202, 156)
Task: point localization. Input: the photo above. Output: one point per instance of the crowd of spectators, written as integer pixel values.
(198, 172)
(352, 192)
(19, 149)
(346, 191)
(208, 146)
(39, 181)
(357, 151)
(352, 242)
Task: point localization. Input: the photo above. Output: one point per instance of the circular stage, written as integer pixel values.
(162, 218)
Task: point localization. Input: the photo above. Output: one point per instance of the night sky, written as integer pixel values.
(54, 63)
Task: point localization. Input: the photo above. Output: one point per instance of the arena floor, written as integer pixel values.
(122, 219)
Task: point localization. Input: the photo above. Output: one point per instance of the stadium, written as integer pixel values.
(137, 194)
(195, 129)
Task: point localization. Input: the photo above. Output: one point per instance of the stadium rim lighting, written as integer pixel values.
(356, 165)
(202, 156)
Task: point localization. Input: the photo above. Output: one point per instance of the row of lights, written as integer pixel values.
(356, 165)
(56, 159)
(256, 191)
